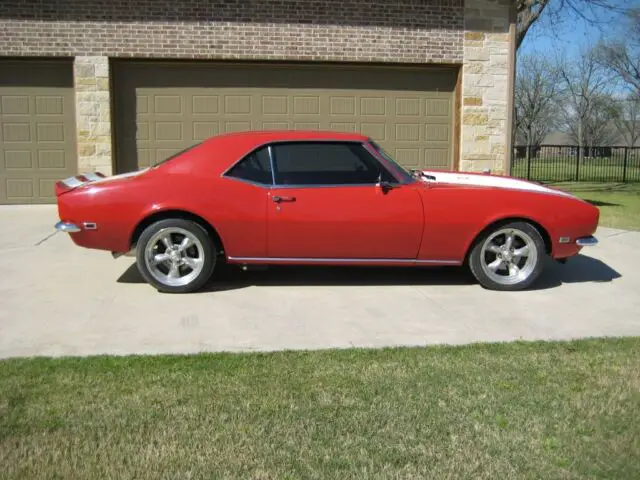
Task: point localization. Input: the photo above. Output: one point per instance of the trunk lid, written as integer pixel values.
(72, 183)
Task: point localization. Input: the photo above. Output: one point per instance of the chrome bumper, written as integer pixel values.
(67, 227)
(589, 241)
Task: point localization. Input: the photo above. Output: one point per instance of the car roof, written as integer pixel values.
(265, 136)
(223, 150)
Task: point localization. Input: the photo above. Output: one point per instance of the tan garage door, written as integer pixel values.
(162, 108)
(37, 129)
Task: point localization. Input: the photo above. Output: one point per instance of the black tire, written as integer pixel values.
(208, 253)
(477, 257)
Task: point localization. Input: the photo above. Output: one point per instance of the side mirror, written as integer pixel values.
(384, 186)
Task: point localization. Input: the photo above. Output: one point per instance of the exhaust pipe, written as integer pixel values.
(130, 253)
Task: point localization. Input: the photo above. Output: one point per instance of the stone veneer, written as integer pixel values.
(93, 114)
(486, 90)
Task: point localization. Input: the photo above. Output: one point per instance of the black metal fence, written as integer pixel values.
(563, 163)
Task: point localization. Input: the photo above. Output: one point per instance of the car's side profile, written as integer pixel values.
(318, 198)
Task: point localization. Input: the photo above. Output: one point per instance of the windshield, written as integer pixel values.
(402, 171)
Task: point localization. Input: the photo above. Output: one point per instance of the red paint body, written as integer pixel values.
(434, 222)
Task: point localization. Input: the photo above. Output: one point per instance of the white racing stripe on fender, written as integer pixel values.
(489, 181)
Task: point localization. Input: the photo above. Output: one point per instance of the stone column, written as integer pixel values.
(93, 114)
(485, 86)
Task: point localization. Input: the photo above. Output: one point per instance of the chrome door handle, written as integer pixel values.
(278, 199)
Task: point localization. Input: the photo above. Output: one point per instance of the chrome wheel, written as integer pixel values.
(174, 256)
(509, 256)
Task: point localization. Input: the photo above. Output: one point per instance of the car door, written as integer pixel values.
(242, 201)
(327, 204)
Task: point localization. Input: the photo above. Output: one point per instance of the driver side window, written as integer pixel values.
(326, 163)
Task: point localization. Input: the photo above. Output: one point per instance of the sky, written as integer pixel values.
(570, 33)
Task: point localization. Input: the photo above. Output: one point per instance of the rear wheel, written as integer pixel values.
(175, 255)
(508, 257)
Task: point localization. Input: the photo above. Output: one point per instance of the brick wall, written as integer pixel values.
(413, 31)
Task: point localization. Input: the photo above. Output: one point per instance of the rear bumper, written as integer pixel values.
(67, 227)
(589, 241)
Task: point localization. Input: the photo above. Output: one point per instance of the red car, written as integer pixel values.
(326, 198)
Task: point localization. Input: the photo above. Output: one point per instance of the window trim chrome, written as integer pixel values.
(266, 186)
(270, 144)
(271, 163)
(362, 144)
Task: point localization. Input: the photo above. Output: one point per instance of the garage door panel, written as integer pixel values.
(205, 104)
(438, 158)
(16, 132)
(437, 133)
(50, 132)
(409, 157)
(409, 107)
(15, 105)
(306, 125)
(46, 187)
(275, 105)
(407, 132)
(37, 129)
(237, 105)
(409, 111)
(306, 105)
(275, 125)
(16, 160)
(49, 105)
(438, 107)
(168, 131)
(375, 130)
(20, 189)
(144, 158)
(51, 159)
(373, 106)
(203, 130)
(167, 104)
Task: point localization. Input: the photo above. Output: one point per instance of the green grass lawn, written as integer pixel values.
(519, 410)
(619, 203)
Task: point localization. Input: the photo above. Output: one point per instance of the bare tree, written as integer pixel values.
(530, 11)
(622, 55)
(599, 128)
(536, 95)
(587, 105)
(627, 119)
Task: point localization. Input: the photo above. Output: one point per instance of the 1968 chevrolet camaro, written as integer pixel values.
(293, 197)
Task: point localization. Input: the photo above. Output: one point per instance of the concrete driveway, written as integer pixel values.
(58, 299)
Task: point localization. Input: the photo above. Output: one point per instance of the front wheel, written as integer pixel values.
(508, 257)
(175, 255)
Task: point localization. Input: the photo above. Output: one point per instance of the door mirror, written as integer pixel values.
(384, 185)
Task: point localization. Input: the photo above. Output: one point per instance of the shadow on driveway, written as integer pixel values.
(579, 269)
